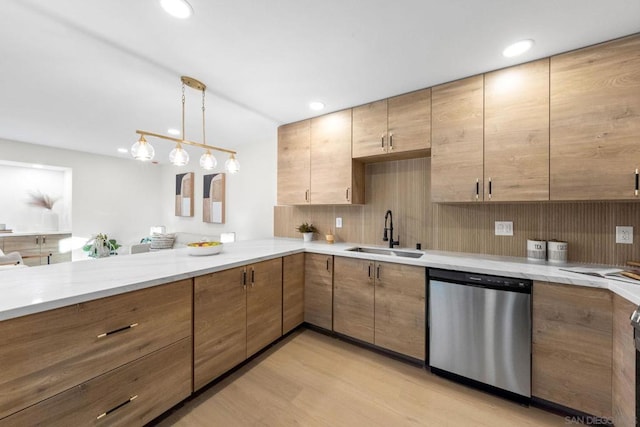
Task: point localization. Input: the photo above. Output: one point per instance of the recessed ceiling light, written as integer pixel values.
(180, 9)
(173, 131)
(518, 48)
(316, 105)
(122, 150)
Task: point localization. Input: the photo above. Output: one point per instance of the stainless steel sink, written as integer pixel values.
(388, 252)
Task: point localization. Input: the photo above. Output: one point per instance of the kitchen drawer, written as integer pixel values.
(131, 395)
(46, 353)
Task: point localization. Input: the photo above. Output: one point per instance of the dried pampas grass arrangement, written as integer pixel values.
(40, 200)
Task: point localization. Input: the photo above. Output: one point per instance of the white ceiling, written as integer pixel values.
(84, 74)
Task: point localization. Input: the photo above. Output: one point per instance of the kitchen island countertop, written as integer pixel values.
(36, 289)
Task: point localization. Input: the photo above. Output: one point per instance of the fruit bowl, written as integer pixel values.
(204, 248)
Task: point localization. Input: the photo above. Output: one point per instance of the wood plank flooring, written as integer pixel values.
(310, 379)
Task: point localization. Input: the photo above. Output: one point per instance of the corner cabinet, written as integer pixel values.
(571, 348)
(595, 126)
(381, 303)
(336, 179)
(457, 152)
(237, 312)
(315, 164)
(121, 360)
(394, 127)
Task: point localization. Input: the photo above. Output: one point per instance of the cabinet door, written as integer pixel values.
(220, 324)
(264, 304)
(51, 245)
(292, 292)
(516, 133)
(335, 178)
(457, 141)
(624, 364)
(294, 160)
(409, 119)
(318, 290)
(353, 293)
(131, 395)
(28, 246)
(370, 129)
(595, 131)
(571, 360)
(400, 308)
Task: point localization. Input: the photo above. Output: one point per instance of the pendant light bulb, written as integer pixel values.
(207, 161)
(142, 150)
(232, 165)
(179, 156)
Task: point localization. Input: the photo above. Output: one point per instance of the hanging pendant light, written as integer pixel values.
(207, 161)
(179, 156)
(232, 165)
(142, 150)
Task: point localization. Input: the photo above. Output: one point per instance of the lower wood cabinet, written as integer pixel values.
(381, 303)
(35, 249)
(131, 395)
(572, 342)
(624, 364)
(237, 312)
(292, 291)
(318, 290)
(50, 352)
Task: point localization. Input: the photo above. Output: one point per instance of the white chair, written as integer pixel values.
(139, 248)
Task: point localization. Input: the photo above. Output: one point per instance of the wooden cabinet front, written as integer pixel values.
(292, 292)
(294, 161)
(335, 178)
(457, 147)
(51, 245)
(318, 290)
(131, 395)
(353, 298)
(264, 304)
(219, 324)
(409, 122)
(27, 246)
(400, 305)
(624, 364)
(370, 129)
(595, 131)
(572, 341)
(52, 351)
(516, 133)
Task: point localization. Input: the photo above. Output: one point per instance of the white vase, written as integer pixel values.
(307, 236)
(49, 220)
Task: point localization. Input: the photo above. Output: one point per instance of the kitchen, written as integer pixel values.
(402, 186)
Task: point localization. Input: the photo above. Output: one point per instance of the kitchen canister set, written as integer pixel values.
(552, 251)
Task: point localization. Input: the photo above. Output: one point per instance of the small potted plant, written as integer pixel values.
(307, 231)
(101, 246)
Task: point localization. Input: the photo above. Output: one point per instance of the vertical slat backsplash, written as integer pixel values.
(404, 187)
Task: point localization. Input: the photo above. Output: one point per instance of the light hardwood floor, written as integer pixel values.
(310, 379)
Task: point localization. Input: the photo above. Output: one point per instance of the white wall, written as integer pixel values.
(250, 194)
(119, 197)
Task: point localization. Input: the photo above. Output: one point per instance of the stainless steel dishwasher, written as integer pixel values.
(480, 330)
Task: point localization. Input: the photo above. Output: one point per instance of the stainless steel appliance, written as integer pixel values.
(635, 322)
(480, 330)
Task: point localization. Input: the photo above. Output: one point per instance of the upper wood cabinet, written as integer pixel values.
(571, 348)
(595, 126)
(393, 127)
(294, 160)
(516, 133)
(457, 150)
(336, 179)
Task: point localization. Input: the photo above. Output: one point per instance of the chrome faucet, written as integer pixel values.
(389, 238)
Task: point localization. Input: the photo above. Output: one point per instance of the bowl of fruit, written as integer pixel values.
(204, 248)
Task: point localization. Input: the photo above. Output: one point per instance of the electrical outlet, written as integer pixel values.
(504, 228)
(338, 222)
(624, 234)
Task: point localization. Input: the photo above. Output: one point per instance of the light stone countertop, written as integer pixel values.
(31, 290)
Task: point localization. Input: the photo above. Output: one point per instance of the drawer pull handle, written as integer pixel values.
(637, 183)
(115, 408)
(390, 141)
(382, 142)
(115, 331)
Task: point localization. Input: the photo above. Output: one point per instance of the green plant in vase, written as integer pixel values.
(101, 246)
(307, 231)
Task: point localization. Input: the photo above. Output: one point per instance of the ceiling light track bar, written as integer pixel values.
(184, 141)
